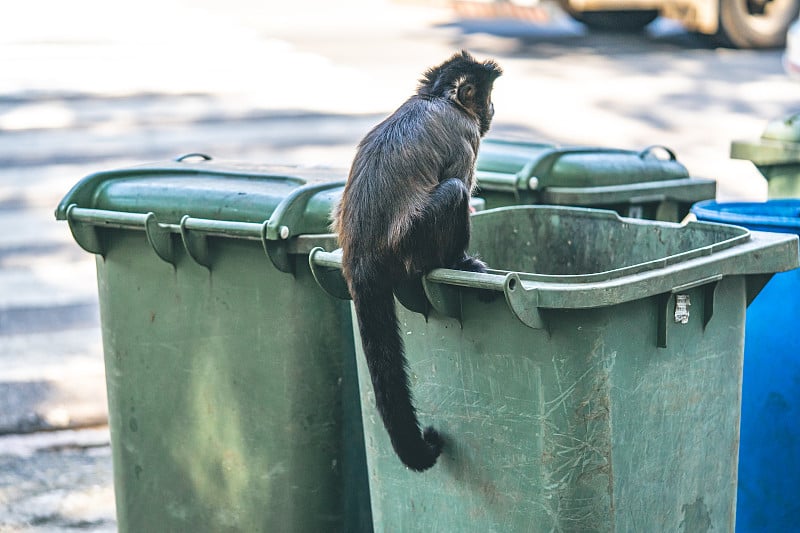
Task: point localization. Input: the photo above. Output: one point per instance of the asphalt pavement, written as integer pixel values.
(290, 82)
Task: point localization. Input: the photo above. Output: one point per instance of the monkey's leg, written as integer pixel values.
(440, 232)
(446, 220)
(440, 236)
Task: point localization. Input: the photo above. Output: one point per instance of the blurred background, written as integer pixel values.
(91, 85)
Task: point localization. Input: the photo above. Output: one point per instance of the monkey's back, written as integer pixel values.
(397, 165)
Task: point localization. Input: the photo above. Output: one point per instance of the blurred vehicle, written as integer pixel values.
(791, 57)
(736, 23)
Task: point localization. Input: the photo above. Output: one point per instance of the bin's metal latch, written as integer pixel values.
(682, 304)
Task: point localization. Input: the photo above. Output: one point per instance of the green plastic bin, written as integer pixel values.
(650, 184)
(232, 391)
(776, 155)
(601, 392)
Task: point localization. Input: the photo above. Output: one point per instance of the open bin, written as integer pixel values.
(232, 392)
(650, 184)
(769, 449)
(776, 155)
(600, 393)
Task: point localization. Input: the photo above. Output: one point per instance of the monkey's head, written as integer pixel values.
(466, 82)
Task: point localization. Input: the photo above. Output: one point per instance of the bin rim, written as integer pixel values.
(749, 253)
(746, 214)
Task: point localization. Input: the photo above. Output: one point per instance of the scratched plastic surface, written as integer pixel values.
(231, 384)
(584, 423)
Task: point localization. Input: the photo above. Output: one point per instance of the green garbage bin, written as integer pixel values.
(600, 393)
(776, 155)
(233, 399)
(650, 184)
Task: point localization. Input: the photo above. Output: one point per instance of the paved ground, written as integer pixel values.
(297, 83)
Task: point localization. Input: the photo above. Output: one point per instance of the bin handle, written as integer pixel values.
(196, 244)
(160, 238)
(85, 234)
(326, 269)
(649, 152)
(286, 221)
(184, 157)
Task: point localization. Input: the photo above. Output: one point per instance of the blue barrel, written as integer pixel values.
(768, 496)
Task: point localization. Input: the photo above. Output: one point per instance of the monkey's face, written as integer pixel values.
(486, 112)
(466, 82)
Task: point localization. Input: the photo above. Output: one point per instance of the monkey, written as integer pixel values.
(405, 211)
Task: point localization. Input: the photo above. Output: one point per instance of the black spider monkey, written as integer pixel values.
(404, 212)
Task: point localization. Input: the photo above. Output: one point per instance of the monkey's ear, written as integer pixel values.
(466, 94)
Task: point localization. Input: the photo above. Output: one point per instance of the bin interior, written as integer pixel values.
(557, 241)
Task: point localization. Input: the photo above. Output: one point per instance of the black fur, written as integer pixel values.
(404, 212)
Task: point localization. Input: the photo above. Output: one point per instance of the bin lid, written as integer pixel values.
(586, 175)
(203, 188)
(194, 197)
(577, 166)
(781, 216)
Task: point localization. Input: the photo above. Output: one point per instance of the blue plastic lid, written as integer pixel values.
(781, 216)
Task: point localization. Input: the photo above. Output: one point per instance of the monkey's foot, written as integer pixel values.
(473, 264)
(470, 264)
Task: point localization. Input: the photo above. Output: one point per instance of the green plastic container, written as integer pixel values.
(776, 155)
(649, 184)
(600, 392)
(233, 400)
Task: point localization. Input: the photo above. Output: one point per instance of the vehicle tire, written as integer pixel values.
(627, 21)
(756, 23)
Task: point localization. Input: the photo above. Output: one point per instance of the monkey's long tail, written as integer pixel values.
(383, 348)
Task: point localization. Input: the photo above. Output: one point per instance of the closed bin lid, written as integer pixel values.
(780, 216)
(195, 195)
(208, 189)
(586, 175)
